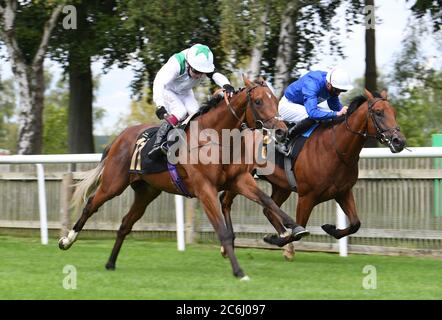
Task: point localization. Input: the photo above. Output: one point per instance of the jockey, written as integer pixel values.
(313, 97)
(173, 84)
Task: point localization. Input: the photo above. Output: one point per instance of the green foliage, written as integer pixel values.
(165, 27)
(418, 90)
(55, 119)
(432, 8)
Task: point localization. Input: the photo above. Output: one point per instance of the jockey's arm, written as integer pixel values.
(310, 93)
(334, 103)
(166, 74)
(218, 78)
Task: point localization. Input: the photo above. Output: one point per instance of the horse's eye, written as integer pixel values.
(379, 113)
(258, 102)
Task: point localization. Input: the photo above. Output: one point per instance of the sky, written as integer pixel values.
(392, 17)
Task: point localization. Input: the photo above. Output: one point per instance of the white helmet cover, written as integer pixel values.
(339, 79)
(200, 58)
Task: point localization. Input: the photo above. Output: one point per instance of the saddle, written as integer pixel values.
(294, 147)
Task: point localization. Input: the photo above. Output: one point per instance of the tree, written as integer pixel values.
(25, 30)
(419, 89)
(100, 32)
(431, 7)
(56, 112)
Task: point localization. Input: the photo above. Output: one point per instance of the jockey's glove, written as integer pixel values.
(229, 89)
(161, 112)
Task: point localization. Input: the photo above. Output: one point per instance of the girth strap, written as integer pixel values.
(289, 173)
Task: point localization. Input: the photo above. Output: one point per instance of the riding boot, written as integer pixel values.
(157, 149)
(300, 127)
(294, 131)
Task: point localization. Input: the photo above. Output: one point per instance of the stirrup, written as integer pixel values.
(282, 148)
(157, 152)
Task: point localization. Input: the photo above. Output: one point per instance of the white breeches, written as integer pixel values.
(293, 112)
(180, 105)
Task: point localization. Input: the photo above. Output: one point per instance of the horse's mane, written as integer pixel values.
(210, 104)
(355, 103)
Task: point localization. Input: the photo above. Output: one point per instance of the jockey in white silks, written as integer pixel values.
(173, 88)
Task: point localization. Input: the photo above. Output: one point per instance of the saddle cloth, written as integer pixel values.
(141, 163)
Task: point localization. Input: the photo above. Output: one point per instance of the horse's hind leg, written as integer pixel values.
(144, 194)
(226, 199)
(279, 196)
(111, 185)
(347, 203)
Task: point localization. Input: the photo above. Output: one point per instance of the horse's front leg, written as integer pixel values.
(246, 185)
(207, 194)
(347, 202)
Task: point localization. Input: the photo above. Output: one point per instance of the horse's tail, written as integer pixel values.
(90, 181)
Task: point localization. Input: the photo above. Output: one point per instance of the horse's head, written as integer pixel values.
(262, 108)
(383, 124)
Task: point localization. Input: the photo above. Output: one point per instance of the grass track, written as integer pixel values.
(156, 270)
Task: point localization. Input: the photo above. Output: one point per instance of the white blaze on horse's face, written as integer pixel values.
(269, 95)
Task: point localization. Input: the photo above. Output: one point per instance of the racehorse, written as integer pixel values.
(111, 177)
(327, 166)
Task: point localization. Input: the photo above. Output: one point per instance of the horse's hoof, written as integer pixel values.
(110, 266)
(329, 229)
(63, 243)
(299, 232)
(288, 256)
(245, 278)
(274, 240)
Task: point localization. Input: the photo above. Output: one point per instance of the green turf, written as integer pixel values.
(156, 270)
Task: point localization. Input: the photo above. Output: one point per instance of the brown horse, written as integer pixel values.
(327, 166)
(112, 177)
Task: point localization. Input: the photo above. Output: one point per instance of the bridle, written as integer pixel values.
(380, 132)
(259, 123)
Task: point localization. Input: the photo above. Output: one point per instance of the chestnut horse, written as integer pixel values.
(327, 166)
(111, 177)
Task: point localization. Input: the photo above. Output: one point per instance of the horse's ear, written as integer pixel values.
(384, 94)
(261, 80)
(247, 82)
(368, 94)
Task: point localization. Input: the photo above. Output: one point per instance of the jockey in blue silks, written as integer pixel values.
(314, 97)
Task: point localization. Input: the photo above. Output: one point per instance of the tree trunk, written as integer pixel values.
(31, 96)
(370, 54)
(255, 62)
(80, 128)
(370, 63)
(283, 63)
